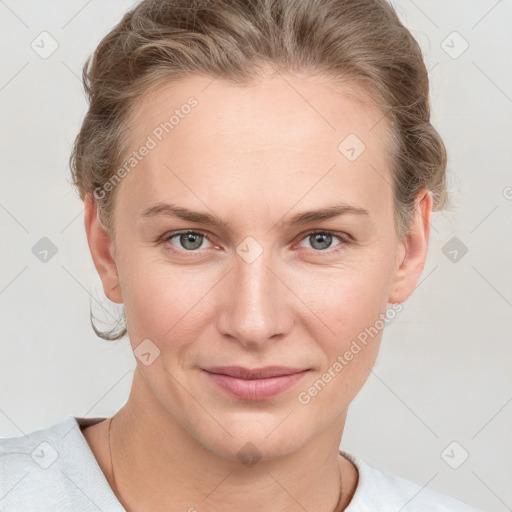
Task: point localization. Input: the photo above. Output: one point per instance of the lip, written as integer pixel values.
(254, 384)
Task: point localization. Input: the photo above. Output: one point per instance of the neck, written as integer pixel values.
(158, 466)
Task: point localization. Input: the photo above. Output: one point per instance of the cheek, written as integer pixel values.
(351, 303)
(353, 313)
(172, 304)
(164, 303)
(346, 299)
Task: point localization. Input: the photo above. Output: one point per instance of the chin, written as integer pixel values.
(251, 442)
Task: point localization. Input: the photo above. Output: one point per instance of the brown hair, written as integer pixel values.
(361, 42)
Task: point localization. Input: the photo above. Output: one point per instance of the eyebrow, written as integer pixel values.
(170, 210)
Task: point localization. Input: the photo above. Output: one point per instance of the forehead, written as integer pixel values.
(280, 134)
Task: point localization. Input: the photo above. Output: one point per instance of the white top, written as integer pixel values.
(54, 470)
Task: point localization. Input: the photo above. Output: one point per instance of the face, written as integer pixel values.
(250, 280)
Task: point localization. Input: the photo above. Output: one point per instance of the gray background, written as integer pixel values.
(443, 374)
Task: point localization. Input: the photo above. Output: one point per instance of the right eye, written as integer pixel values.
(187, 240)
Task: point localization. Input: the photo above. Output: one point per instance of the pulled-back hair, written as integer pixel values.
(354, 42)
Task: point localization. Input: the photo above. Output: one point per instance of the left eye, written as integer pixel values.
(191, 241)
(322, 240)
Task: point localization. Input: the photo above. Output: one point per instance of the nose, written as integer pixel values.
(257, 305)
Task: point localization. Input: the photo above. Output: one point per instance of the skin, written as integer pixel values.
(253, 156)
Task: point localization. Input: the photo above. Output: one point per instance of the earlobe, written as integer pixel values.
(101, 247)
(412, 251)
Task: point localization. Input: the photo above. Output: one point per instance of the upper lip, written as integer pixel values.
(255, 373)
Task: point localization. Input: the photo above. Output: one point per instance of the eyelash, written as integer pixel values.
(343, 238)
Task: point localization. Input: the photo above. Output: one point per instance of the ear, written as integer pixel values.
(102, 250)
(412, 252)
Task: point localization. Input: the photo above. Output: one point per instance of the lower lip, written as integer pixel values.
(255, 389)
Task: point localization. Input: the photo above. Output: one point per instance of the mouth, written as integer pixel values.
(254, 384)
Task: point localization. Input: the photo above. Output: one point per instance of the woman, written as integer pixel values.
(258, 179)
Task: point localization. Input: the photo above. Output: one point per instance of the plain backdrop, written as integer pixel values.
(441, 389)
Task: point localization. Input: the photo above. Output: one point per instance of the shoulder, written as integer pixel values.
(377, 490)
(35, 468)
(27, 467)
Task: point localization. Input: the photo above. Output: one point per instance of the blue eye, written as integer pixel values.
(322, 240)
(191, 241)
(188, 240)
